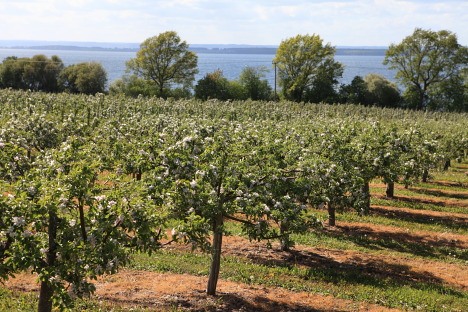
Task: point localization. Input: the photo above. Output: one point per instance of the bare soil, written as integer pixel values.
(161, 291)
(164, 291)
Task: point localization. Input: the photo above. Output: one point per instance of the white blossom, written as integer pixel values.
(27, 234)
(119, 220)
(100, 197)
(278, 204)
(18, 221)
(32, 190)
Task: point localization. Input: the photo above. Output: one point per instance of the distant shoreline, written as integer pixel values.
(355, 51)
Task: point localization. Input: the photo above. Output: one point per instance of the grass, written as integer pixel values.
(456, 174)
(366, 244)
(382, 246)
(401, 220)
(458, 188)
(435, 195)
(341, 282)
(14, 301)
(384, 283)
(416, 205)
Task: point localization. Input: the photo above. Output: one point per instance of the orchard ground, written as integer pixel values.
(413, 245)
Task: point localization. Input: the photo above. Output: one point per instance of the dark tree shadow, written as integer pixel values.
(439, 193)
(406, 242)
(424, 201)
(222, 302)
(375, 272)
(453, 222)
(447, 183)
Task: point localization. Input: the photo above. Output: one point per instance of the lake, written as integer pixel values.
(230, 64)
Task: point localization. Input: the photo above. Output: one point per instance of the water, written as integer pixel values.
(230, 64)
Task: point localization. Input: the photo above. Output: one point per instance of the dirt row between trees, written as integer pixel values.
(186, 292)
(159, 290)
(418, 214)
(165, 291)
(385, 266)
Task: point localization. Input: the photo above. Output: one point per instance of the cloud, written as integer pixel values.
(341, 22)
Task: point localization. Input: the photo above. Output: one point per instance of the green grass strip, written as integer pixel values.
(382, 246)
(416, 205)
(14, 301)
(345, 283)
(363, 243)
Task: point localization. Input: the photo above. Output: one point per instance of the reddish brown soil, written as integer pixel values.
(160, 291)
(429, 196)
(385, 266)
(408, 236)
(418, 214)
(435, 191)
(163, 291)
(427, 200)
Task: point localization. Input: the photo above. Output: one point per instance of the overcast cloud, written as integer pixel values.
(340, 22)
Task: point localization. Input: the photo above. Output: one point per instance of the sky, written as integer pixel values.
(260, 22)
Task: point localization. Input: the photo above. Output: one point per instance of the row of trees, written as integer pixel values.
(431, 66)
(40, 73)
(88, 180)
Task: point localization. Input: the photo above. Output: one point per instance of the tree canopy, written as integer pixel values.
(424, 61)
(87, 77)
(165, 60)
(381, 91)
(255, 87)
(38, 73)
(305, 65)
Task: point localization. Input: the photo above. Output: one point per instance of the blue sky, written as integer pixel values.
(263, 22)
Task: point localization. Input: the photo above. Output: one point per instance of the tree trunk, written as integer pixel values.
(46, 292)
(216, 255)
(284, 240)
(331, 214)
(45, 298)
(138, 175)
(366, 191)
(82, 220)
(446, 164)
(425, 175)
(390, 189)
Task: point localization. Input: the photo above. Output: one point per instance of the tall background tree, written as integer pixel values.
(381, 91)
(215, 86)
(87, 77)
(256, 87)
(11, 73)
(425, 61)
(41, 73)
(306, 67)
(165, 60)
(38, 73)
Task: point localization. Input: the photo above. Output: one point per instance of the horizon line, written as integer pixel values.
(87, 44)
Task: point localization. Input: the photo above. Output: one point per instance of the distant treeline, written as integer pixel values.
(243, 50)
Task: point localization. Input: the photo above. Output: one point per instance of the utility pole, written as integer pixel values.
(274, 63)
